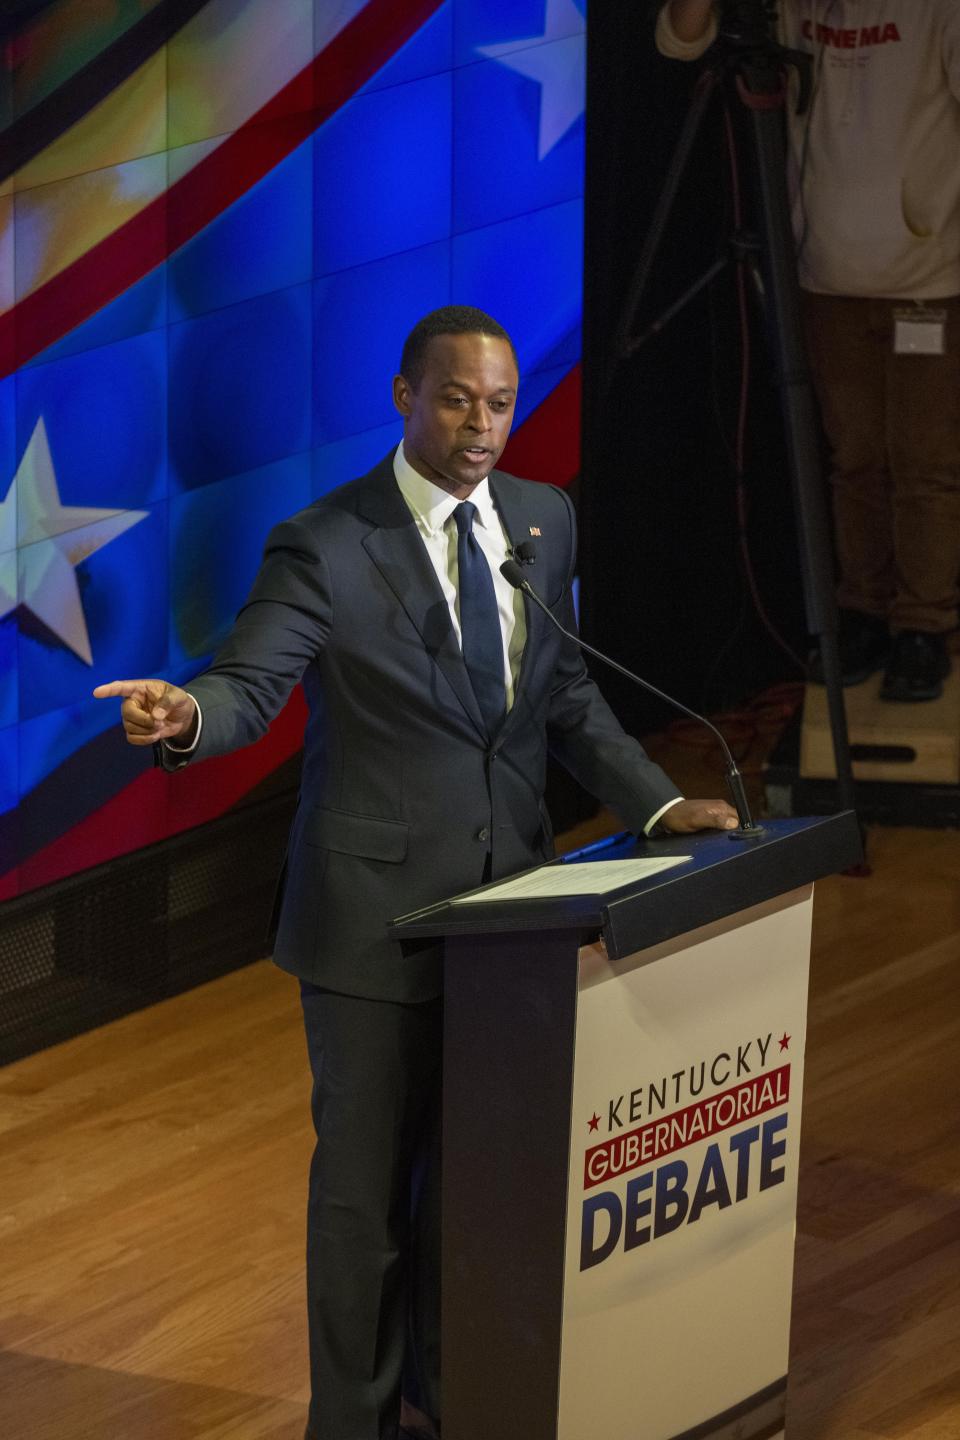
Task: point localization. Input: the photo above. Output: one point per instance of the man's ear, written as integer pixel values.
(401, 395)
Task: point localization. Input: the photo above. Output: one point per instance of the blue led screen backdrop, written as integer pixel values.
(218, 219)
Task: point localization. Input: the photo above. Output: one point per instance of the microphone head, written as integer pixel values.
(525, 552)
(511, 571)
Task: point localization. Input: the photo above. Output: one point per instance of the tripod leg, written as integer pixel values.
(664, 207)
(758, 85)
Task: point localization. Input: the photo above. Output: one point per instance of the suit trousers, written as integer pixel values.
(893, 424)
(373, 1217)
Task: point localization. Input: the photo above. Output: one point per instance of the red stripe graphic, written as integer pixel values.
(157, 805)
(360, 49)
(651, 1142)
(547, 445)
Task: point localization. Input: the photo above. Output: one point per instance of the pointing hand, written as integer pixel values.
(153, 710)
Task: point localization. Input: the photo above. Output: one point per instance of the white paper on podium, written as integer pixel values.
(595, 877)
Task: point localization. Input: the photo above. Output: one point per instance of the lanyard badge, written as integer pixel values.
(919, 330)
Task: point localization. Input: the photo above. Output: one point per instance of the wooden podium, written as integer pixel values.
(622, 1093)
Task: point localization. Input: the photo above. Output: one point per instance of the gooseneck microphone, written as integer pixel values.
(748, 830)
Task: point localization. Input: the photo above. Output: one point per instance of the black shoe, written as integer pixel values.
(864, 642)
(917, 667)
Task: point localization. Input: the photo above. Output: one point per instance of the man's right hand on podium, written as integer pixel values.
(153, 710)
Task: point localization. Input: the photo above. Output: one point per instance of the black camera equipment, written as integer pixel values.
(748, 63)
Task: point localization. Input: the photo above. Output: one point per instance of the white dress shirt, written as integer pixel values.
(432, 509)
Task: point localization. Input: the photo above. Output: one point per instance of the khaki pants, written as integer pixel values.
(893, 424)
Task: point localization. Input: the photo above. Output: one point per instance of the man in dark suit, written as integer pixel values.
(435, 694)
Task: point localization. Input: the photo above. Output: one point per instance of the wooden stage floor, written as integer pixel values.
(153, 1174)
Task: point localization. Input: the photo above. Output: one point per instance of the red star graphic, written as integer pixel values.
(594, 1121)
(784, 1041)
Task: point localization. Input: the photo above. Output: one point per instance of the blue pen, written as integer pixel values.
(605, 844)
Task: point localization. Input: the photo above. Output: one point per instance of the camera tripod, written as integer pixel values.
(750, 62)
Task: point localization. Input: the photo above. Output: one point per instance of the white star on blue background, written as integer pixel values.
(556, 60)
(52, 539)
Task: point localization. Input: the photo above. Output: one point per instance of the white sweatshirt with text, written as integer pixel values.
(875, 164)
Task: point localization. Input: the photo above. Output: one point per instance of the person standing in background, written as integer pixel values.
(875, 177)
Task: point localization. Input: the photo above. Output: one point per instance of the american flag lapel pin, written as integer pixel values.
(535, 530)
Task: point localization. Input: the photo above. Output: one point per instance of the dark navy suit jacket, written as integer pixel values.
(403, 792)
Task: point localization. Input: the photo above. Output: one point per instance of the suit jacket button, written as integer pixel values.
(483, 834)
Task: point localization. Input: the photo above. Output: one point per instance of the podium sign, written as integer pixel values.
(687, 1081)
(623, 1076)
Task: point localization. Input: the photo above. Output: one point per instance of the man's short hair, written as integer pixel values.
(448, 320)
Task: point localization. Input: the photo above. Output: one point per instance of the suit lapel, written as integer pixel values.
(398, 552)
(517, 520)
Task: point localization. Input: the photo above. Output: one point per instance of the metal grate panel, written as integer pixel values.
(147, 926)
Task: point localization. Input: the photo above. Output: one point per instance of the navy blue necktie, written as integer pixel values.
(481, 639)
